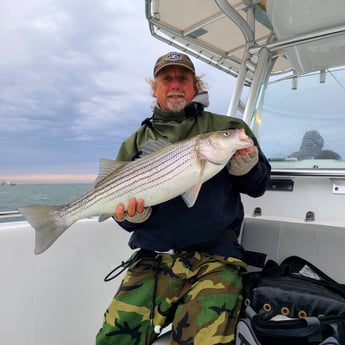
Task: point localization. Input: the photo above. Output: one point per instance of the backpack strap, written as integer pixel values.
(295, 264)
(256, 259)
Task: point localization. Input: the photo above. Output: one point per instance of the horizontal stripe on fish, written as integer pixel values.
(172, 170)
(145, 174)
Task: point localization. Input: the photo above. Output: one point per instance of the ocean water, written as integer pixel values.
(14, 196)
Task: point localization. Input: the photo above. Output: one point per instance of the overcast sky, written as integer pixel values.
(73, 86)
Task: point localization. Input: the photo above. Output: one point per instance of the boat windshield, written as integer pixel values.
(301, 121)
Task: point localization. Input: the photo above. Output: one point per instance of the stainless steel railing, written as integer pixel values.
(10, 214)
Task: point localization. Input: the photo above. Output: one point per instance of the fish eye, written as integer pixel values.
(226, 134)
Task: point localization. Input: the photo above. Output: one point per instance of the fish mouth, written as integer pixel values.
(246, 139)
(242, 136)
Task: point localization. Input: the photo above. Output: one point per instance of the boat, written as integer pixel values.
(8, 183)
(287, 58)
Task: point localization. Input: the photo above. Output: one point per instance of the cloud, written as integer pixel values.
(72, 77)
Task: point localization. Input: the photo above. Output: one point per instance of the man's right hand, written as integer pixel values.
(136, 212)
(134, 206)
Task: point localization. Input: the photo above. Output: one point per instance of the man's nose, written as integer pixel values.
(175, 84)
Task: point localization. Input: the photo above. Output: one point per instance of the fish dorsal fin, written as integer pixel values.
(106, 167)
(191, 195)
(153, 145)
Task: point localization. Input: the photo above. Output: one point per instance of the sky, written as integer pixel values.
(73, 85)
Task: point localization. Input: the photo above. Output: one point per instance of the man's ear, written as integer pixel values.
(154, 89)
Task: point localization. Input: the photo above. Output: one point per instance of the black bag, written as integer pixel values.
(294, 303)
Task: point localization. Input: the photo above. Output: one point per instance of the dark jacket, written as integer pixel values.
(214, 222)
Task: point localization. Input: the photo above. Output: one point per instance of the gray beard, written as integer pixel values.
(176, 106)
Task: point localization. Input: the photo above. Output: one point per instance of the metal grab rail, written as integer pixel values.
(10, 214)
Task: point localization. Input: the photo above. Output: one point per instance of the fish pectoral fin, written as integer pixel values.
(191, 195)
(104, 217)
(107, 167)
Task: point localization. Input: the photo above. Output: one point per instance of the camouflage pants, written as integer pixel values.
(199, 294)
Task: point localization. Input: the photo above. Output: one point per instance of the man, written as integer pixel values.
(187, 268)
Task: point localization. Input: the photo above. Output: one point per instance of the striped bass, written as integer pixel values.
(163, 172)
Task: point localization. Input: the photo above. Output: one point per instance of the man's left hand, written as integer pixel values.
(243, 161)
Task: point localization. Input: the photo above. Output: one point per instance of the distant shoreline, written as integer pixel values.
(49, 178)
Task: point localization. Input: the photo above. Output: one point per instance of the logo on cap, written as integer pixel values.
(173, 57)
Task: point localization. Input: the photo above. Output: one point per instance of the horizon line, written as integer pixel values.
(52, 178)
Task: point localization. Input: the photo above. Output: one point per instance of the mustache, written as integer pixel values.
(175, 94)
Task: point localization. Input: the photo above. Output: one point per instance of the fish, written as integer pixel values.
(162, 172)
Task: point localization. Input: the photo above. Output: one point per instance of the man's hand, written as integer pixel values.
(136, 212)
(245, 151)
(243, 161)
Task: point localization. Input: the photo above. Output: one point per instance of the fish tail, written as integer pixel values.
(49, 223)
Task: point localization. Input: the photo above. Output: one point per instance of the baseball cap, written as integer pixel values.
(171, 59)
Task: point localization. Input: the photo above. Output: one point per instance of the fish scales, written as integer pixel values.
(145, 174)
(177, 169)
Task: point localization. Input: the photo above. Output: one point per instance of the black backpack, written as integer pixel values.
(291, 303)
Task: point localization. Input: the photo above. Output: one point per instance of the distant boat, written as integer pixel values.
(8, 183)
